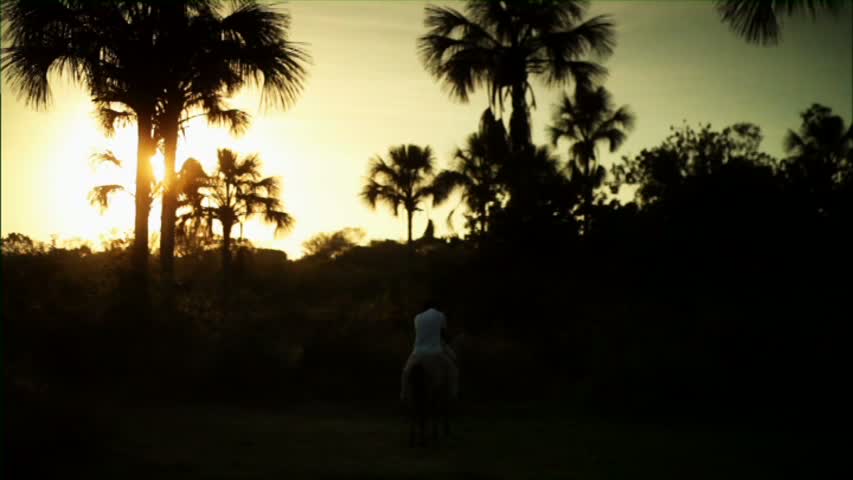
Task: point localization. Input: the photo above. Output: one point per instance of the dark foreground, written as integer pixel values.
(533, 440)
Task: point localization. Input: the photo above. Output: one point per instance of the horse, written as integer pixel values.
(429, 399)
(430, 386)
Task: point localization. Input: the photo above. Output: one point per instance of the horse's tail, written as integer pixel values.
(418, 382)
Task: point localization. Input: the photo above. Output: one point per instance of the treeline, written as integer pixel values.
(723, 283)
(720, 287)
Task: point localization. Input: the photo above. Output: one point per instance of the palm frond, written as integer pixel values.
(248, 168)
(613, 136)
(256, 46)
(109, 118)
(381, 171)
(44, 38)
(375, 193)
(445, 183)
(283, 221)
(270, 186)
(457, 51)
(100, 196)
(237, 121)
(106, 156)
(563, 51)
(759, 21)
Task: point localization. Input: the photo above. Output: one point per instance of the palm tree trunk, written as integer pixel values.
(588, 187)
(226, 296)
(145, 149)
(409, 214)
(170, 205)
(521, 148)
(519, 120)
(226, 247)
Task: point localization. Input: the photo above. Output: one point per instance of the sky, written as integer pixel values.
(367, 90)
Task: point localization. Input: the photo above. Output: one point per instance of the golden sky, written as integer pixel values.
(367, 91)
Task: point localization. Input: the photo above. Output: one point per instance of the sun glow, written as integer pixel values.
(158, 166)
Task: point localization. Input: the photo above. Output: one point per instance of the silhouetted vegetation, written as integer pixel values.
(405, 180)
(204, 52)
(235, 192)
(327, 246)
(694, 295)
(699, 279)
(761, 21)
(477, 174)
(585, 121)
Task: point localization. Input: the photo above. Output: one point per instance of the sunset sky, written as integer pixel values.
(367, 90)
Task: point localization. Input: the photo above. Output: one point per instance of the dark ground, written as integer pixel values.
(360, 439)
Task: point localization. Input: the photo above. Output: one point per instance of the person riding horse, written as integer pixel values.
(432, 350)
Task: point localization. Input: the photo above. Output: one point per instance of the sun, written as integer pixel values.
(158, 166)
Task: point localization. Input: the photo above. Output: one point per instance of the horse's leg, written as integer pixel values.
(436, 420)
(423, 430)
(446, 415)
(413, 420)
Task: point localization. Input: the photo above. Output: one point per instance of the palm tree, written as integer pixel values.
(759, 21)
(477, 173)
(235, 193)
(192, 231)
(499, 46)
(820, 158)
(108, 48)
(210, 54)
(587, 120)
(405, 179)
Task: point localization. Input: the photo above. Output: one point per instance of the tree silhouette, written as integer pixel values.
(19, 244)
(108, 49)
(759, 21)
(819, 168)
(499, 46)
(207, 55)
(477, 172)
(586, 120)
(234, 193)
(329, 246)
(550, 195)
(663, 174)
(192, 229)
(405, 179)
(190, 181)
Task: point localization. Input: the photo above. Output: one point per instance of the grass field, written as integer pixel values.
(370, 441)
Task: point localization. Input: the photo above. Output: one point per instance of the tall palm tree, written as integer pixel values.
(820, 158)
(587, 120)
(477, 173)
(500, 46)
(209, 53)
(235, 193)
(405, 179)
(192, 230)
(759, 21)
(108, 47)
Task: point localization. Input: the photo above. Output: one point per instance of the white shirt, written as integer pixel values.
(428, 327)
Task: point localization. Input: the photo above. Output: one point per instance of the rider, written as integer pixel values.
(431, 339)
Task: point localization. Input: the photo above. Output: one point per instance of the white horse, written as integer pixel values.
(431, 387)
